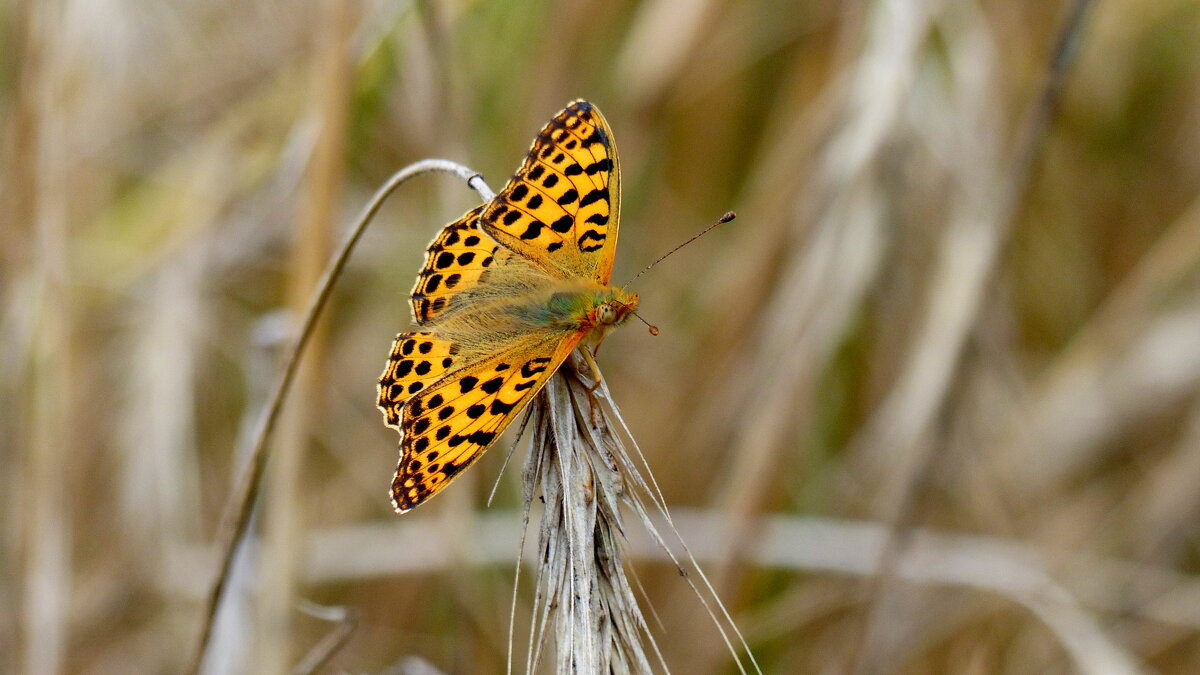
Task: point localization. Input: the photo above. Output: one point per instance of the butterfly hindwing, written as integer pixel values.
(560, 210)
(417, 361)
(454, 261)
(446, 426)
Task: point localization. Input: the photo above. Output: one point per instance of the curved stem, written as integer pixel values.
(240, 506)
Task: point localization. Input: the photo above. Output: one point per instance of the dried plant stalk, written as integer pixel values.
(582, 469)
(581, 588)
(240, 505)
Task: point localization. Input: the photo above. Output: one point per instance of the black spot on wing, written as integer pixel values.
(480, 438)
(534, 366)
(594, 196)
(563, 224)
(591, 235)
(596, 167)
(493, 385)
(533, 230)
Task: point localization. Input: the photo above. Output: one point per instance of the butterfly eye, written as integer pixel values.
(606, 314)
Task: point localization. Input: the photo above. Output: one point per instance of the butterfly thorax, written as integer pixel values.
(551, 306)
(595, 310)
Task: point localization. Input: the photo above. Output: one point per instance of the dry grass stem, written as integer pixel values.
(811, 544)
(240, 505)
(319, 655)
(582, 470)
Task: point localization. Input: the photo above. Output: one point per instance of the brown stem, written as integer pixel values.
(241, 503)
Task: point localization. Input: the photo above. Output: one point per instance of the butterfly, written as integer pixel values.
(506, 293)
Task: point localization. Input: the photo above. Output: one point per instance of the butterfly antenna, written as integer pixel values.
(730, 215)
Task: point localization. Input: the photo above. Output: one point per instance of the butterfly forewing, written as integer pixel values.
(454, 261)
(448, 425)
(560, 210)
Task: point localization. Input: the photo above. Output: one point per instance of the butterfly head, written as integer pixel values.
(610, 307)
(616, 309)
(613, 308)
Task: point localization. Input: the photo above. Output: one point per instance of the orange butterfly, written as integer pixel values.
(506, 293)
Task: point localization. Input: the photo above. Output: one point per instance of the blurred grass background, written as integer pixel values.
(903, 329)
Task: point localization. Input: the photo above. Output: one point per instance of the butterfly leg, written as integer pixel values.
(591, 361)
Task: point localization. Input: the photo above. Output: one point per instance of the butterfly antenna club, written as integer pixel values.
(652, 327)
